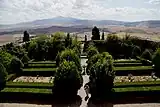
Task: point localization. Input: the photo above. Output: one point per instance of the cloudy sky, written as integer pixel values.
(15, 11)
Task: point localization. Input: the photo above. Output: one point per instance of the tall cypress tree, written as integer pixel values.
(95, 34)
(103, 35)
(26, 36)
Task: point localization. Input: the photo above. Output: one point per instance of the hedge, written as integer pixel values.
(127, 61)
(126, 64)
(139, 89)
(42, 62)
(38, 69)
(41, 65)
(136, 71)
(29, 85)
(11, 77)
(27, 90)
(133, 68)
(136, 84)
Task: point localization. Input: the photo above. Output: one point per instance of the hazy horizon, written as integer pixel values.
(18, 11)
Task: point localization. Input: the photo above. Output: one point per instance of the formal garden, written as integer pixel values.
(49, 67)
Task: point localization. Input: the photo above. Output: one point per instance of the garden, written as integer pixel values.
(51, 67)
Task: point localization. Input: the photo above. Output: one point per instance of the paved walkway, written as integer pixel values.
(82, 93)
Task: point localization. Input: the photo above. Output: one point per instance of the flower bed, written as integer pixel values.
(34, 79)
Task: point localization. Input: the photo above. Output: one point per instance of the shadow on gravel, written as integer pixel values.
(99, 103)
(54, 102)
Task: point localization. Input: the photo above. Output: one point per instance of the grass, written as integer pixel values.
(39, 69)
(28, 90)
(133, 68)
(130, 89)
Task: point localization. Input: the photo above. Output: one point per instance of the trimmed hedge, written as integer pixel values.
(139, 89)
(29, 85)
(11, 77)
(136, 84)
(133, 68)
(41, 65)
(127, 61)
(126, 64)
(38, 69)
(27, 90)
(136, 71)
(43, 62)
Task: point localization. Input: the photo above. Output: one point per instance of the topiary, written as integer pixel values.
(156, 61)
(25, 59)
(3, 76)
(101, 78)
(5, 59)
(136, 52)
(67, 80)
(16, 65)
(69, 55)
(91, 51)
(146, 55)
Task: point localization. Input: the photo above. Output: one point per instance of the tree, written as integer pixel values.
(103, 35)
(67, 80)
(146, 55)
(85, 38)
(26, 37)
(91, 51)
(95, 34)
(68, 41)
(136, 52)
(16, 65)
(3, 76)
(69, 55)
(25, 59)
(156, 61)
(102, 77)
(5, 59)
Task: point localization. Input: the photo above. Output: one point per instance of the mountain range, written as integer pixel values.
(74, 23)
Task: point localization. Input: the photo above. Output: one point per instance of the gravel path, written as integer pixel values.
(121, 105)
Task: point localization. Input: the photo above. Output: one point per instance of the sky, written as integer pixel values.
(16, 11)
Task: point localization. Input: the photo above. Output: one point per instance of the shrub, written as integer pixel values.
(91, 51)
(3, 76)
(16, 65)
(136, 51)
(102, 77)
(146, 55)
(67, 80)
(156, 61)
(68, 55)
(25, 59)
(5, 59)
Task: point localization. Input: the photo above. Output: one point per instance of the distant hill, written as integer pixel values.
(59, 23)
